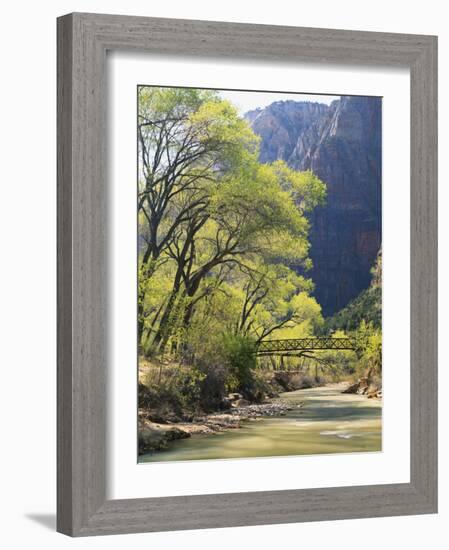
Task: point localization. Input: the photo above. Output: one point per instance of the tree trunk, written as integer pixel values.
(150, 267)
(163, 332)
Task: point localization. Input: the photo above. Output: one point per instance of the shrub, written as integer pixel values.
(170, 392)
(213, 388)
(240, 359)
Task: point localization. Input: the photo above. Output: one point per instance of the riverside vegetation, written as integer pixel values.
(223, 263)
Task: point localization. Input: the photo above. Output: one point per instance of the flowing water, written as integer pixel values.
(322, 421)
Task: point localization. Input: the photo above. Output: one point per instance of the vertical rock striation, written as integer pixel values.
(341, 143)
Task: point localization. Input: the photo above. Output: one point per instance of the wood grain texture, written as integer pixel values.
(64, 276)
(83, 40)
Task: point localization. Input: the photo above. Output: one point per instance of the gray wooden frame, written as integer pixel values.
(83, 40)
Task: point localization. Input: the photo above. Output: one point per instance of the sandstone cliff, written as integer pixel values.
(341, 143)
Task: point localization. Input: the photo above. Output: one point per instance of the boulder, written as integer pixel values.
(154, 437)
(352, 388)
(234, 396)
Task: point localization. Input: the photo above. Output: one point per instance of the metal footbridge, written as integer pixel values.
(299, 346)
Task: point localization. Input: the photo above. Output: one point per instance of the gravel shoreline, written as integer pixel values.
(155, 436)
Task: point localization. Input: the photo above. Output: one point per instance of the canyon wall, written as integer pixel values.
(341, 144)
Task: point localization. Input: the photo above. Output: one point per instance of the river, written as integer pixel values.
(322, 421)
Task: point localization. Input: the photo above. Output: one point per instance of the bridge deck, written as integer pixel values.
(269, 347)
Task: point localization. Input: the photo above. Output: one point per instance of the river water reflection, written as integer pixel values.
(322, 421)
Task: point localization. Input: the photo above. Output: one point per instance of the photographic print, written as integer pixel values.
(259, 265)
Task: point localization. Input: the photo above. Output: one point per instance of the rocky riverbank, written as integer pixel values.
(155, 436)
(365, 386)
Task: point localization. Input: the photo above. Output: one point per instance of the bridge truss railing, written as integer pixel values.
(295, 345)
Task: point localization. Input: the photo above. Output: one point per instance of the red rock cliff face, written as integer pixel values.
(341, 143)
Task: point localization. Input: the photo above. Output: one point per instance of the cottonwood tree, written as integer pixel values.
(207, 208)
(188, 140)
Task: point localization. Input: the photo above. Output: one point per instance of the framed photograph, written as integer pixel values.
(247, 274)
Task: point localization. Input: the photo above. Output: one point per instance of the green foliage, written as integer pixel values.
(367, 307)
(370, 353)
(189, 384)
(361, 319)
(171, 391)
(218, 231)
(340, 363)
(239, 354)
(221, 236)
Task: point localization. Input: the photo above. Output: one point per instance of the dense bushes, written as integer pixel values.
(174, 391)
(370, 354)
(170, 392)
(240, 360)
